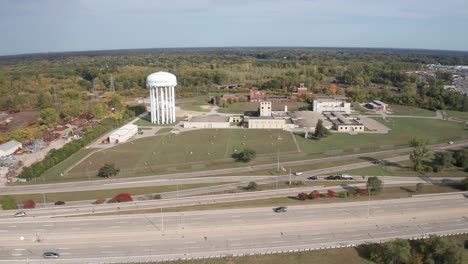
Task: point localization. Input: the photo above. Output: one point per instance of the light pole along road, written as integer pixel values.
(127, 238)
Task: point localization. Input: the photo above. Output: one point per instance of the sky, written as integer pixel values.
(34, 26)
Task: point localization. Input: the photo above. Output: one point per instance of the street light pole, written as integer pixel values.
(162, 221)
(368, 203)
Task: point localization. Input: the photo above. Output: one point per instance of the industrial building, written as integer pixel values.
(123, 134)
(377, 105)
(162, 97)
(331, 104)
(212, 121)
(9, 147)
(343, 123)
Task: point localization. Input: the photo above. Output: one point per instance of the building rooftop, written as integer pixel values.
(6, 146)
(210, 118)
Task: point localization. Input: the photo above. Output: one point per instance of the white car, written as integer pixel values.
(450, 142)
(20, 214)
(298, 173)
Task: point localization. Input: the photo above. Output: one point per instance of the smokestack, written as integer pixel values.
(285, 108)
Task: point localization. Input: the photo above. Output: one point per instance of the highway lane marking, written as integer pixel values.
(3, 230)
(106, 252)
(190, 242)
(64, 248)
(47, 225)
(278, 242)
(11, 226)
(356, 235)
(76, 228)
(66, 253)
(20, 249)
(105, 246)
(114, 226)
(16, 254)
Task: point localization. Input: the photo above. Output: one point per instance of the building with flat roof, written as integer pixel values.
(330, 104)
(123, 134)
(343, 122)
(377, 105)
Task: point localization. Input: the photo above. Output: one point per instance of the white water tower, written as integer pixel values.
(162, 97)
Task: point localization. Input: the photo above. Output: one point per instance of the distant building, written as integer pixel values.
(123, 134)
(257, 96)
(212, 121)
(301, 90)
(377, 105)
(9, 147)
(344, 123)
(331, 104)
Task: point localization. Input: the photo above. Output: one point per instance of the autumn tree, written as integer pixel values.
(332, 89)
(420, 153)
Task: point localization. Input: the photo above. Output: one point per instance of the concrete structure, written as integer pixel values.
(265, 109)
(212, 121)
(162, 97)
(257, 96)
(9, 147)
(123, 134)
(377, 105)
(331, 104)
(344, 123)
(301, 90)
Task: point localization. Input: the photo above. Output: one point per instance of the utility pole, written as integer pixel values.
(289, 176)
(112, 88)
(162, 221)
(43, 198)
(94, 88)
(277, 163)
(368, 203)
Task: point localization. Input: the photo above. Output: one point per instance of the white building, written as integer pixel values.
(123, 134)
(162, 97)
(331, 105)
(9, 147)
(265, 108)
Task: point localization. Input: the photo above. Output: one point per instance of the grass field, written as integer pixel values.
(457, 114)
(146, 121)
(410, 111)
(92, 195)
(403, 130)
(193, 150)
(199, 104)
(404, 169)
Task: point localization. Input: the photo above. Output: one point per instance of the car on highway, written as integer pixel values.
(50, 255)
(298, 173)
(333, 177)
(59, 203)
(281, 209)
(450, 142)
(312, 178)
(346, 177)
(20, 214)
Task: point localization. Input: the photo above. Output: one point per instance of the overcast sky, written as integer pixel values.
(30, 26)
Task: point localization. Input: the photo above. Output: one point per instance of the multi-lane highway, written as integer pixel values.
(224, 232)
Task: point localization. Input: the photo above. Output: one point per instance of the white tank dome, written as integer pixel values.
(161, 79)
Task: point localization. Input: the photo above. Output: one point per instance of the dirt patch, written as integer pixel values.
(16, 120)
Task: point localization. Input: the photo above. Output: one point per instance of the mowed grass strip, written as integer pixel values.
(405, 168)
(410, 111)
(195, 150)
(92, 195)
(57, 170)
(388, 193)
(457, 114)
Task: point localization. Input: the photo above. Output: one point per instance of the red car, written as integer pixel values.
(59, 203)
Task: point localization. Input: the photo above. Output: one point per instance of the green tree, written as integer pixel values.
(8, 203)
(464, 184)
(444, 159)
(49, 117)
(98, 109)
(320, 130)
(420, 153)
(461, 158)
(397, 251)
(108, 170)
(374, 184)
(252, 186)
(245, 155)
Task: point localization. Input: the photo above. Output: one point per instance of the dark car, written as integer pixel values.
(59, 203)
(281, 209)
(337, 177)
(331, 177)
(312, 178)
(50, 255)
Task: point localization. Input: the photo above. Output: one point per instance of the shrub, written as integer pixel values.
(314, 195)
(108, 170)
(100, 200)
(331, 193)
(252, 186)
(121, 198)
(29, 204)
(302, 196)
(157, 196)
(8, 203)
(343, 195)
(436, 168)
(420, 187)
(363, 192)
(374, 184)
(245, 155)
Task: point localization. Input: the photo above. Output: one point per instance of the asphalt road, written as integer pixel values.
(225, 232)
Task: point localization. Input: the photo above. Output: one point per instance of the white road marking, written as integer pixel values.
(11, 226)
(114, 226)
(76, 228)
(66, 253)
(64, 248)
(190, 242)
(105, 246)
(48, 225)
(3, 230)
(16, 254)
(19, 249)
(278, 242)
(105, 252)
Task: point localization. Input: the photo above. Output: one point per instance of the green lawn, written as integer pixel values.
(457, 114)
(198, 104)
(410, 111)
(193, 150)
(403, 130)
(164, 130)
(91, 195)
(404, 169)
